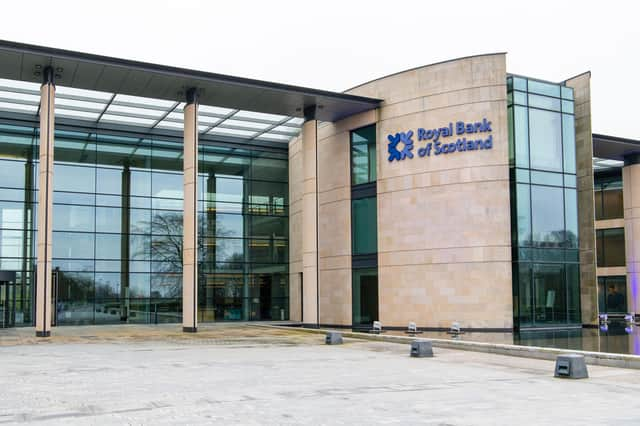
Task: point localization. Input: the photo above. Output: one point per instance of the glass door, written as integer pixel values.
(365, 297)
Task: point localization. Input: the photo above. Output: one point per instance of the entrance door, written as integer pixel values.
(365, 297)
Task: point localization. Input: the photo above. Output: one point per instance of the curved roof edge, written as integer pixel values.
(424, 66)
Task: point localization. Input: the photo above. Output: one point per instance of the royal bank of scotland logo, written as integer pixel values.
(407, 145)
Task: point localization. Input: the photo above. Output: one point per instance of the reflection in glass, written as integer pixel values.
(108, 246)
(547, 216)
(546, 275)
(550, 293)
(612, 294)
(109, 181)
(521, 134)
(108, 219)
(73, 178)
(118, 223)
(363, 155)
(75, 298)
(545, 130)
(71, 245)
(73, 218)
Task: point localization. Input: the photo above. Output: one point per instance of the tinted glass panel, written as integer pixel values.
(524, 214)
(522, 275)
(544, 102)
(543, 88)
(73, 218)
(363, 155)
(73, 245)
(521, 133)
(73, 178)
(364, 225)
(610, 249)
(571, 217)
(12, 173)
(109, 181)
(567, 92)
(569, 143)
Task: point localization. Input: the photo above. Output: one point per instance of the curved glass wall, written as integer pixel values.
(117, 226)
(542, 150)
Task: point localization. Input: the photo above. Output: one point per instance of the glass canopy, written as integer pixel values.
(111, 108)
(605, 163)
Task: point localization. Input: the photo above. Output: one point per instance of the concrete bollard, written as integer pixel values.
(333, 338)
(571, 366)
(421, 348)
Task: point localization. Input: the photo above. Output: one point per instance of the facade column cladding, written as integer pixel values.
(45, 203)
(190, 218)
(581, 85)
(310, 222)
(45, 206)
(631, 200)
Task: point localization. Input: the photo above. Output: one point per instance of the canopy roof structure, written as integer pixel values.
(613, 147)
(102, 90)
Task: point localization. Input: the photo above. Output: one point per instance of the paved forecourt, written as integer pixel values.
(242, 374)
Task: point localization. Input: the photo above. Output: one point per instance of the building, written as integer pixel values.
(616, 202)
(450, 192)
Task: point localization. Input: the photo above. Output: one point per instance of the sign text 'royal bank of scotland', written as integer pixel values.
(471, 137)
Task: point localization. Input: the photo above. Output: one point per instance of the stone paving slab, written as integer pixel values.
(247, 375)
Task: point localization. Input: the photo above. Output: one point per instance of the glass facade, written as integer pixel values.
(542, 155)
(117, 226)
(364, 228)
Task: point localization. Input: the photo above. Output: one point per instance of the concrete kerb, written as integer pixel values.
(550, 354)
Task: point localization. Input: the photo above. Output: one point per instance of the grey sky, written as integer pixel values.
(335, 45)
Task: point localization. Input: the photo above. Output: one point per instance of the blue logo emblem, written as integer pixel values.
(405, 138)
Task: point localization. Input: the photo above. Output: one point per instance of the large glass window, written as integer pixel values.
(18, 181)
(612, 294)
(546, 274)
(364, 227)
(610, 247)
(363, 155)
(117, 226)
(608, 196)
(547, 209)
(545, 130)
